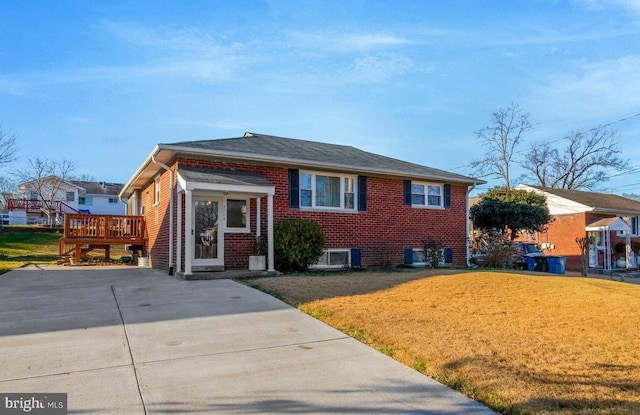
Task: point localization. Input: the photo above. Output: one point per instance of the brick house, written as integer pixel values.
(206, 202)
(609, 219)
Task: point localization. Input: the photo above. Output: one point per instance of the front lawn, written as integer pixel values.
(20, 248)
(520, 343)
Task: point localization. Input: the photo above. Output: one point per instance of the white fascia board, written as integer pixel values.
(230, 188)
(147, 161)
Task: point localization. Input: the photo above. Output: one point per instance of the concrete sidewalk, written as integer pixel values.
(135, 341)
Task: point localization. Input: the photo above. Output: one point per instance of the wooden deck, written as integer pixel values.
(37, 206)
(84, 232)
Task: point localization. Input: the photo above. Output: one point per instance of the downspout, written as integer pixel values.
(171, 203)
(467, 221)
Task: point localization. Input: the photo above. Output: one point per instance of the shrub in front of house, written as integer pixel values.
(298, 243)
(432, 251)
(499, 251)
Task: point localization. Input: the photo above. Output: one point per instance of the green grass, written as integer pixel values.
(20, 248)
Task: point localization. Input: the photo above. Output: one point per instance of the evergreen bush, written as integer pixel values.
(298, 243)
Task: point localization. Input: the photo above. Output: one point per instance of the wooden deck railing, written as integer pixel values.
(100, 231)
(39, 205)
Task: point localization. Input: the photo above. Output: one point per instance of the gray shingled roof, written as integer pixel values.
(99, 188)
(299, 152)
(205, 175)
(598, 201)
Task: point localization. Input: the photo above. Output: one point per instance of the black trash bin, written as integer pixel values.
(540, 264)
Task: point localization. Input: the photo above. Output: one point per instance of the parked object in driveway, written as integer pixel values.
(529, 257)
(5, 218)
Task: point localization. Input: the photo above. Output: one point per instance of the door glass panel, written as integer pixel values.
(206, 229)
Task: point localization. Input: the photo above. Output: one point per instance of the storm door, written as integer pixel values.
(207, 236)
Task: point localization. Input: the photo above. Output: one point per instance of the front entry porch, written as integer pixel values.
(601, 252)
(220, 220)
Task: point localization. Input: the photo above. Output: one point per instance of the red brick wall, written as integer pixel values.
(382, 232)
(563, 232)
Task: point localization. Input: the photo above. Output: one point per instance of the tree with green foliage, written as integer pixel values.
(511, 211)
(298, 243)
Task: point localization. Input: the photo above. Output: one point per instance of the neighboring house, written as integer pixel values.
(206, 202)
(608, 219)
(100, 198)
(72, 196)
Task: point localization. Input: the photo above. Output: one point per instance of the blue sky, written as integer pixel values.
(101, 82)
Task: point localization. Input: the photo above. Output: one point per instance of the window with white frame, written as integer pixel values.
(327, 191)
(71, 196)
(426, 194)
(633, 223)
(237, 215)
(156, 188)
(113, 200)
(85, 200)
(333, 258)
(419, 260)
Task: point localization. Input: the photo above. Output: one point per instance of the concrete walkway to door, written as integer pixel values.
(130, 340)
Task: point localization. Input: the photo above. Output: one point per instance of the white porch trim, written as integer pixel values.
(225, 185)
(607, 226)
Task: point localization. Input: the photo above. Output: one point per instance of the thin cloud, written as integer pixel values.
(376, 69)
(602, 5)
(345, 42)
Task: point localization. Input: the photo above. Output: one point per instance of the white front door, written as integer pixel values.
(208, 238)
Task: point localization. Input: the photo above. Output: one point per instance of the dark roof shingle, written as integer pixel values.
(301, 151)
(598, 201)
(99, 188)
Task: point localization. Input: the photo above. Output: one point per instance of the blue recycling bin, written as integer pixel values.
(531, 263)
(556, 264)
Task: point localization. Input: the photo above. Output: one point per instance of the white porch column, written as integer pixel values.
(271, 262)
(258, 232)
(179, 233)
(607, 249)
(188, 232)
(627, 250)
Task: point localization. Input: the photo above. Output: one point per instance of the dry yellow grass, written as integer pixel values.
(520, 343)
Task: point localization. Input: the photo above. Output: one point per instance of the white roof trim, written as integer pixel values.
(616, 225)
(249, 189)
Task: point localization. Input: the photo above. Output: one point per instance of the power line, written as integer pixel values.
(615, 122)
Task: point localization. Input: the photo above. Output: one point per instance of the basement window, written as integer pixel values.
(333, 259)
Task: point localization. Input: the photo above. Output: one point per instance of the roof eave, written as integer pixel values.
(618, 212)
(128, 188)
(311, 164)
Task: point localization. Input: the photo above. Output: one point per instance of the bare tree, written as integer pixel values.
(500, 141)
(585, 163)
(7, 147)
(8, 190)
(47, 179)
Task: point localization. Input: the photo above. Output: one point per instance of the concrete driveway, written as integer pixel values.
(133, 340)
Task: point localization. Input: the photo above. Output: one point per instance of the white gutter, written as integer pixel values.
(139, 171)
(171, 203)
(468, 243)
